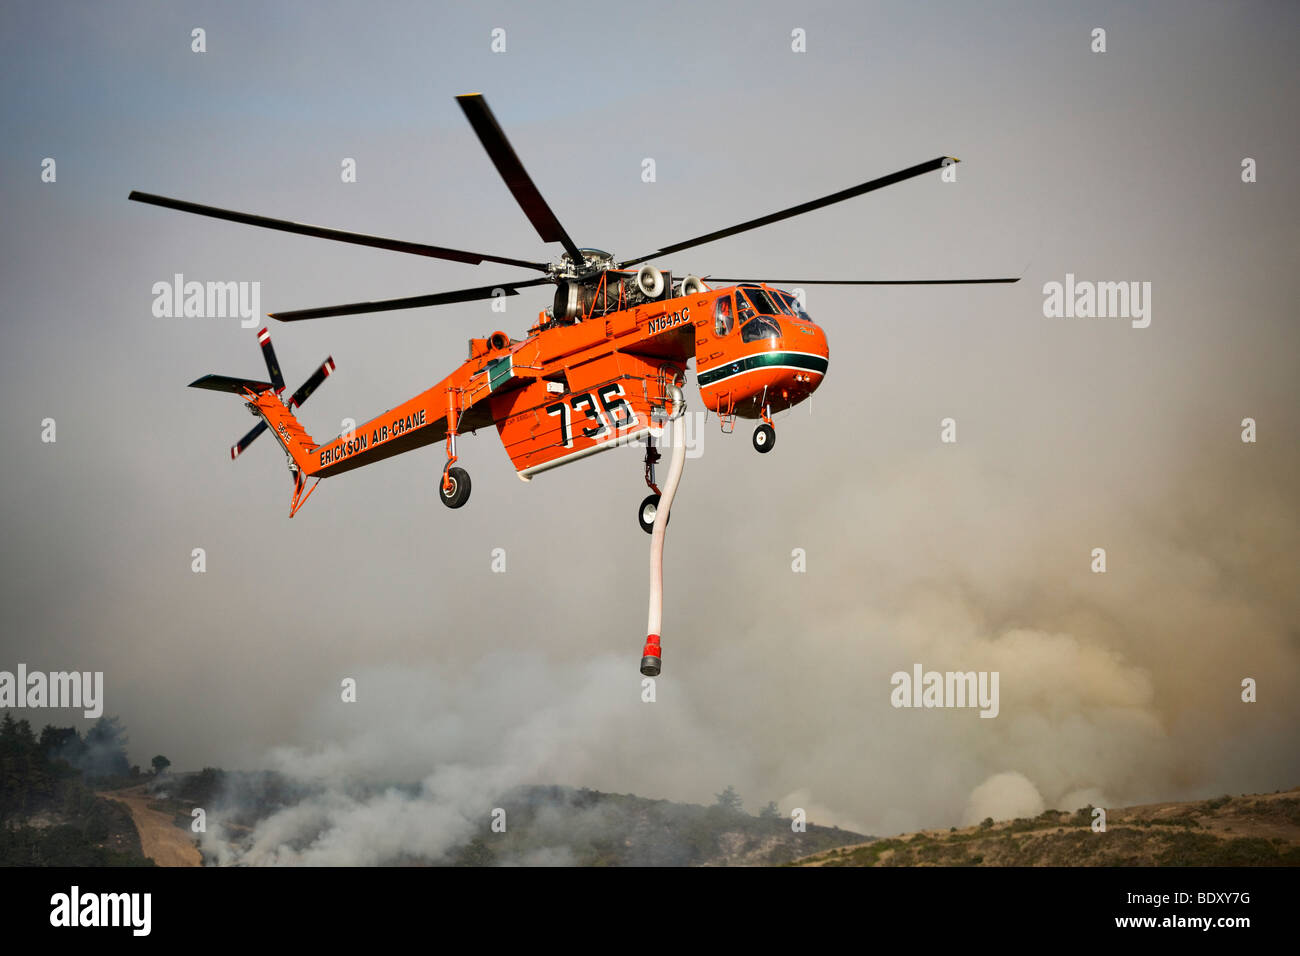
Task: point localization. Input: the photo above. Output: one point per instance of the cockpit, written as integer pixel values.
(756, 311)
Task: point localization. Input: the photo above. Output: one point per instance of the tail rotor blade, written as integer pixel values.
(313, 383)
(272, 366)
(237, 450)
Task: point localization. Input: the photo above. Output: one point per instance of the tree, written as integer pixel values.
(160, 764)
(729, 800)
(106, 750)
(770, 812)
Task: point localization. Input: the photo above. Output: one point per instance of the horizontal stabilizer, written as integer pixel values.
(228, 383)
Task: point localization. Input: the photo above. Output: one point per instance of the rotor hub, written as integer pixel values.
(593, 261)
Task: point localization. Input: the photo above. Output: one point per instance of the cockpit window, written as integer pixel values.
(722, 316)
(759, 327)
(763, 303)
(792, 302)
(781, 306)
(744, 311)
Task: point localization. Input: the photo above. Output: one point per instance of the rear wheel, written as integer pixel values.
(764, 438)
(458, 493)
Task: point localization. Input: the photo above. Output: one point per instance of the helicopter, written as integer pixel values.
(603, 366)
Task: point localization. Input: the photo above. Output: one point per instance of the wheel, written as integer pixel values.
(459, 493)
(645, 515)
(764, 438)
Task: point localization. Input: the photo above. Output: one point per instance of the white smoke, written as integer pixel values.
(1115, 689)
(518, 720)
(1003, 796)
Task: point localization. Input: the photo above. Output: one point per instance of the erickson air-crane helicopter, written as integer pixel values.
(603, 366)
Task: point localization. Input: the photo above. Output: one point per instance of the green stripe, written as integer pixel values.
(813, 363)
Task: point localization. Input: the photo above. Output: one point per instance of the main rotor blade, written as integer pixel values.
(800, 209)
(320, 232)
(238, 449)
(521, 185)
(272, 366)
(717, 281)
(304, 391)
(409, 302)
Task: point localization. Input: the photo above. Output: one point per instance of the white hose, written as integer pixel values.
(676, 424)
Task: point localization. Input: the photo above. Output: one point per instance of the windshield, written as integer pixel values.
(760, 327)
(792, 303)
(765, 304)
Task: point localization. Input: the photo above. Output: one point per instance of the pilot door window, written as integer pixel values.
(723, 316)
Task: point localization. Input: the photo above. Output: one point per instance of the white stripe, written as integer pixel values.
(623, 439)
(764, 368)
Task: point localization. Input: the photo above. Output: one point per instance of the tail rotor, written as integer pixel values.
(243, 386)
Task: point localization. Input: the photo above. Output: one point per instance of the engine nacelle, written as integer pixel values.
(572, 300)
(650, 282)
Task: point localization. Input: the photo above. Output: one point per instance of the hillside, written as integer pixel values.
(1249, 830)
(548, 825)
(49, 815)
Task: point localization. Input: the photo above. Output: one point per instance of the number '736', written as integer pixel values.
(604, 408)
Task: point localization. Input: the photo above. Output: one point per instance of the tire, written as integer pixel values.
(459, 490)
(649, 508)
(764, 438)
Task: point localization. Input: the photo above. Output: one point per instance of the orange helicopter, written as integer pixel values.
(603, 366)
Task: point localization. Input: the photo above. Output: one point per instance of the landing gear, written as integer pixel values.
(764, 438)
(455, 489)
(645, 515)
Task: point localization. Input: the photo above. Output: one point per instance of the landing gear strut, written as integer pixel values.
(645, 513)
(765, 434)
(454, 486)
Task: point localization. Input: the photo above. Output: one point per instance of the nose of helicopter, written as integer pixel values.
(768, 373)
(799, 358)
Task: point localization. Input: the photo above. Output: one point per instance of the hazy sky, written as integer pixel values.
(1073, 433)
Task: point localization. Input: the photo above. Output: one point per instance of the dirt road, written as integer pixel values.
(163, 841)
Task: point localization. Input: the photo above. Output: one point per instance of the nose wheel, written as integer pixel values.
(454, 490)
(764, 438)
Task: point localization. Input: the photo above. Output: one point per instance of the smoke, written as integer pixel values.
(1003, 796)
(418, 765)
(1116, 688)
(1123, 694)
